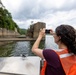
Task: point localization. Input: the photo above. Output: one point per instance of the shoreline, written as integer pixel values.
(18, 39)
(5, 43)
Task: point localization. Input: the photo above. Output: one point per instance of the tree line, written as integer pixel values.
(6, 20)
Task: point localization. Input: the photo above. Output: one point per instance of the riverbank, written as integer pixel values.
(18, 39)
(5, 42)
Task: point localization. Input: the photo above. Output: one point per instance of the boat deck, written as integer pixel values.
(20, 65)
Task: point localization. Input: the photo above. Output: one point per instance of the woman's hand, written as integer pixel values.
(52, 32)
(42, 32)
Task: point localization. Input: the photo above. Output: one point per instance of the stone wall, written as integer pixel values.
(8, 33)
(35, 28)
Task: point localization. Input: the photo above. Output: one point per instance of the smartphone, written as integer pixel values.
(47, 31)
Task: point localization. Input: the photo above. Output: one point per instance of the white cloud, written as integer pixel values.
(25, 23)
(62, 17)
(52, 12)
(12, 5)
(52, 3)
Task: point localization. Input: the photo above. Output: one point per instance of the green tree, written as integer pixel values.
(6, 21)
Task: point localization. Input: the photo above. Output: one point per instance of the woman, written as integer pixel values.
(65, 38)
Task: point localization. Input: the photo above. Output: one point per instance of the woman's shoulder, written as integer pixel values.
(53, 50)
(49, 52)
(56, 51)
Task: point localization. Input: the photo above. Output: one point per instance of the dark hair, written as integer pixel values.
(68, 37)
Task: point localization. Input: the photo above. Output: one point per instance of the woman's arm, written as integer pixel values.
(35, 48)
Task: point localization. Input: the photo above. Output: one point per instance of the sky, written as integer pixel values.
(51, 12)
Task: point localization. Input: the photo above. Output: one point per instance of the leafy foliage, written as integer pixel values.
(23, 31)
(6, 20)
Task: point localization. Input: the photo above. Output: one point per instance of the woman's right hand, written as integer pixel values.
(42, 32)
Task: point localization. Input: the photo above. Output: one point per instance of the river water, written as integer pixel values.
(24, 47)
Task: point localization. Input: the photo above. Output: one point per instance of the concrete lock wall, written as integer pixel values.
(37, 28)
(7, 33)
(0, 31)
(34, 29)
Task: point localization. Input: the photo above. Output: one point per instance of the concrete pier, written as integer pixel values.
(18, 39)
